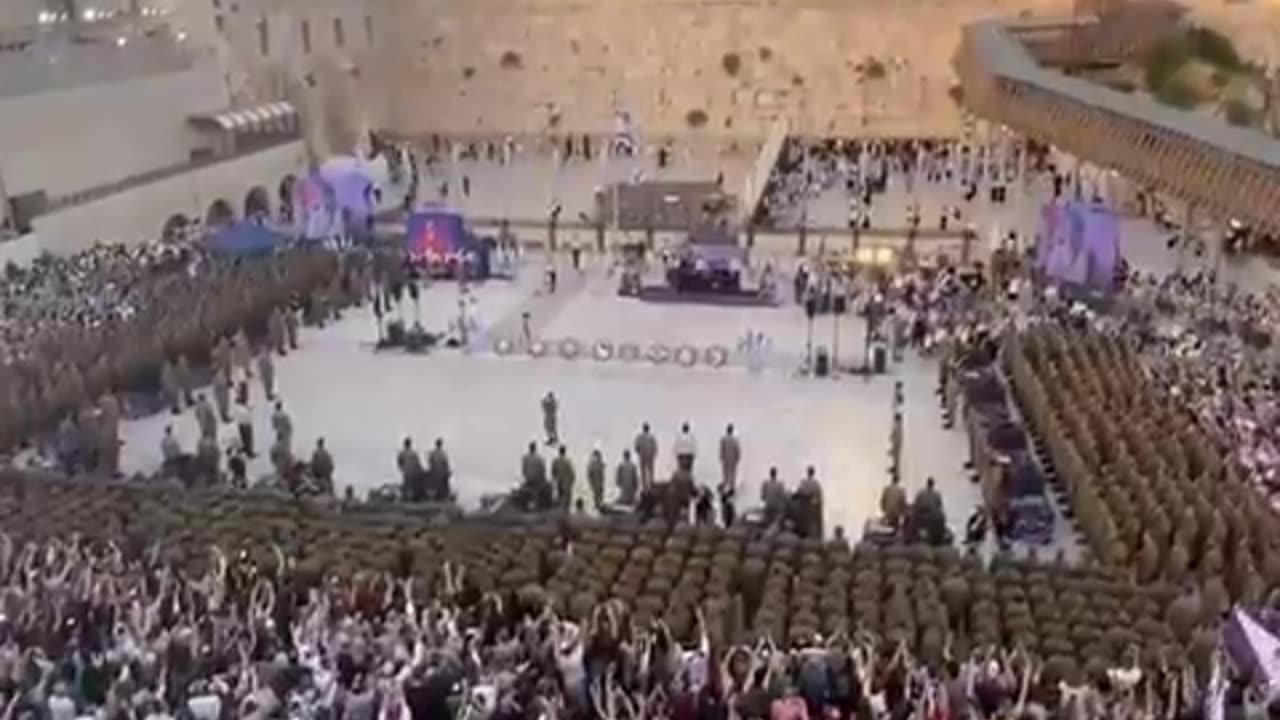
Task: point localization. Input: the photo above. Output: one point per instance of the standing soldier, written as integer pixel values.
(563, 476)
(282, 424)
(646, 447)
(773, 494)
(411, 472)
(267, 371)
(438, 474)
(895, 445)
(109, 435)
(169, 383)
(730, 454)
(686, 448)
(627, 477)
(241, 356)
(186, 381)
(222, 392)
(291, 327)
(533, 469)
(595, 478)
(322, 467)
(220, 356)
(275, 332)
(244, 426)
(549, 421)
(206, 418)
(893, 503)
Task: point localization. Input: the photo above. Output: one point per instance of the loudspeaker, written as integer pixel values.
(810, 305)
(822, 363)
(840, 304)
(879, 358)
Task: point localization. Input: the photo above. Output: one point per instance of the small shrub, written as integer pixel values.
(874, 69)
(696, 118)
(731, 63)
(765, 53)
(511, 60)
(797, 81)
(1214, 47)
(1177, 93)
(1239, 113)
(956, 93)
(468, 72)
(1163, 62)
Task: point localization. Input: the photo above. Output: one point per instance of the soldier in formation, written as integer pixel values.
(646, 447)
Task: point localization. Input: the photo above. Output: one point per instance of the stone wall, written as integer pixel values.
(834, 67)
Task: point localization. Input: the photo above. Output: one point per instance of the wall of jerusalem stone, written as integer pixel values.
(725, 68)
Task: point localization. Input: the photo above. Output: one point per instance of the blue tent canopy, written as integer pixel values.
(246, 238)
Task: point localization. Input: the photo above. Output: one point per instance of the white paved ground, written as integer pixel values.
(485, 407)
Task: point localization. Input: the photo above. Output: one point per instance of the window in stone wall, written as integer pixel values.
(264, 38)
(306, 37)
(368, 30)
(219, 23)
(339, 34)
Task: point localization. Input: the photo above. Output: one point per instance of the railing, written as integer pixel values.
(247, 147)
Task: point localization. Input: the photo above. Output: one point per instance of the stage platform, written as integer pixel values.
(669, 295)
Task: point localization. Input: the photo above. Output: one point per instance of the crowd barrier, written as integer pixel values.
(713, 356)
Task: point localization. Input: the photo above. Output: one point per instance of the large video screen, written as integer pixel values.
(1079, 244)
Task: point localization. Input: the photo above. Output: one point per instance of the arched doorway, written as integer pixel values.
(257, 204)
(285, 191)
(220, 213)
(175, 228)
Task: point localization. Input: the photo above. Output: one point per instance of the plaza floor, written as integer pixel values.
(485, 406)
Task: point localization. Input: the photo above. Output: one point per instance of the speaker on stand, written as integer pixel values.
(810, 310)
(839, 306)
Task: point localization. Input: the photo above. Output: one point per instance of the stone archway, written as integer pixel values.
(175, 228)
(257, 203)
(285, 193)
(220, 213)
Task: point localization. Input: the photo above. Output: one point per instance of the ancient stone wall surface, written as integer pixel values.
(834, 67)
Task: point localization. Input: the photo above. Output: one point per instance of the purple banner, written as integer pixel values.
(1079, 244)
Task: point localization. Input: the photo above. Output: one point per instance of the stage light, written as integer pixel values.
(659, 354)
(629, 352)
(602, 350)
(687, 356)
(89, 15)
(537, 349)
(182, 36)
(122, 41)
(44, 18)
(503, 346)
(717, 356)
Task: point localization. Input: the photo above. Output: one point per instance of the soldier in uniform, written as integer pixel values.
(411, 473)
(563, 476)
(438, 474)
(646, 447)
(222, 392)
(893, 503)
(172, 390)
(291, 327)
(109, 435)
(322, 467)
(186, 382)
(773, 495)
(549, 418)
(170, 450)
(241, 356)
(244, 426)
(206, 418)
(276, 332)
(282, 424)
(595, 477)
(282, 459)
(627, 477)
(267, 371)
(730, 455)
(206, 460)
